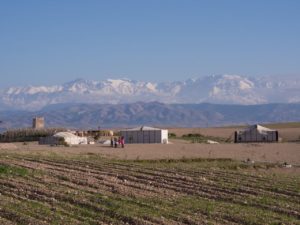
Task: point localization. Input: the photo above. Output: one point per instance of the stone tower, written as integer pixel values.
(38, 123)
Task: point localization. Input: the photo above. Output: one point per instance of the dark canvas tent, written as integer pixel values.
(256, 133)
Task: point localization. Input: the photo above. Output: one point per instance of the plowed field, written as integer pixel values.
(88, 189)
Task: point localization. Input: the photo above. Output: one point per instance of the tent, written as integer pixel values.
(68, 137)
(256, 133)
(145, 134)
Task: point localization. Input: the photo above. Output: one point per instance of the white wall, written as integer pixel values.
(164, 136)
(254, 136)
(146, 136)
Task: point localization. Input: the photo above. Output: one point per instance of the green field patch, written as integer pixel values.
(201, 163)
(12, 170)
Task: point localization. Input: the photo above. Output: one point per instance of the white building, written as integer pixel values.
(256, 133)
(145, 135)
(69, 138)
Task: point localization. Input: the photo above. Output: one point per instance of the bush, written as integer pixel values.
(172, 135)
(199, 138)
(192, 135)
(61, 141)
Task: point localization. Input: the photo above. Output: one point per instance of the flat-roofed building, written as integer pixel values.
(145, 134)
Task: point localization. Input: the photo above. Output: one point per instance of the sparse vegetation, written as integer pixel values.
(199, 138)
(61, 141)
(28, 134)
(172, 135)
(90, 189)
(12, 170)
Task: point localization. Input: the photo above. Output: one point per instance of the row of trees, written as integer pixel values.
(27, 134)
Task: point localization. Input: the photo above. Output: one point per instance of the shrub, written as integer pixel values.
(172, 135)
(61, 141)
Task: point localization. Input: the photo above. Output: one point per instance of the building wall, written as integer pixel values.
(164, 136)
(49, 140)
(147, 136)
(255, 136)
(69, 140)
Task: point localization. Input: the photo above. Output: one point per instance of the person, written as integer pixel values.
(122, 141)
(111, 142)
(119, 140)
(116, 142)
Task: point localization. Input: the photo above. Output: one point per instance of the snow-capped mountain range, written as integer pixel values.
(224, 89)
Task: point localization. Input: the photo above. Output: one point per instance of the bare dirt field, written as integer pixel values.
(288, 132)
(85, 188)
(177, 183)
(178, 149)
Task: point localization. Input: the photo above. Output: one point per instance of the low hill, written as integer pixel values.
(91, 116)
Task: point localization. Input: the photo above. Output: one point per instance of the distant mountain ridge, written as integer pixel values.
(91, 116)
(217, 89)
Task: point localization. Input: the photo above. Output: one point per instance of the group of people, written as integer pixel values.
(114, 142)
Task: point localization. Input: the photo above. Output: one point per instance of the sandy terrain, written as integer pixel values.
(7, 146)
(275, 152)
(286, 133)
(285, 152)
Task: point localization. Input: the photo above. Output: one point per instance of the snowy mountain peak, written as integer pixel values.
(116, 82)
(231, 81)
(225, 89)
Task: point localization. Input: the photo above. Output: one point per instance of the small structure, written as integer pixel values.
(63, 137)
(94, 133)
(38, 123)
(256, 133)
(145, 134)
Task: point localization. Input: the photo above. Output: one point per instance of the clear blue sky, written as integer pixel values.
(53, 41)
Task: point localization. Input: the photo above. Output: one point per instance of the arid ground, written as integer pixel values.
(287, 132)
(178, 183)
(288, 150)
(177, 149)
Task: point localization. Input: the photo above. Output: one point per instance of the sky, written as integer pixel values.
(45, 42)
